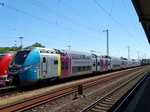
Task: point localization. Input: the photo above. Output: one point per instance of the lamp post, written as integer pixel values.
(69, 46)
(128, 52)
(107, 42)
(21, 41)
(15, 43)
(92, 51)
(138, 55)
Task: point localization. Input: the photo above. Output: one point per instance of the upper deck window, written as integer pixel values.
(1, 56)
(20, 57)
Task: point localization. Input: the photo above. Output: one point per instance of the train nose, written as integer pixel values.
(13, 76)
(13, 69)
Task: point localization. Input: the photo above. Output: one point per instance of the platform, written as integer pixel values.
(141, 101)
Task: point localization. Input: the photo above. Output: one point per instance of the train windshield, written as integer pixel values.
(1, 56)
(20, 57)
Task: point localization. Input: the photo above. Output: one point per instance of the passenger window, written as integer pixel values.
(101, 63)
(88, 68)
(62, 65)
(106, 63)
(94, 64)
(66, 65)
(44, 60)
(83, 68)
(55, 62)
(79, 69)
(1, 57)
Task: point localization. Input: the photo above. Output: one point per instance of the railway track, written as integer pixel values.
(124, 101)
(107, 102)
(9, 90)
(35, 101)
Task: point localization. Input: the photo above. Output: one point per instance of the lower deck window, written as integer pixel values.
(89, 67)
(84, 68)
(79, 69)
(74, 69)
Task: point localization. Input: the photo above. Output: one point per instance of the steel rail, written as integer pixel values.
(129, 96)
(32, 102)
(89, 107)
(10, 89)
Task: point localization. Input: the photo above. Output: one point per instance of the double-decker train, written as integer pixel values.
(5, 58)
(34, 64)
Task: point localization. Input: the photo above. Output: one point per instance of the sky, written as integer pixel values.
(76, 23)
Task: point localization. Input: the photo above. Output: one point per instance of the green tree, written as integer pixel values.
(13, 48)
(38, 45)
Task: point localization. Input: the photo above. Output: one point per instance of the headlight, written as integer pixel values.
(24, 69)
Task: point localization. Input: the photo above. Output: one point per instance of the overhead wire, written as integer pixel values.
(127, 11)
(116, 21)
(66, 18)
(129, 15)
(15, 22)
(37, 17)
(75, 11)
(79, 14)
(26, 13)
(111, 8)
(47, 21)
(44, 7)
(58, 11)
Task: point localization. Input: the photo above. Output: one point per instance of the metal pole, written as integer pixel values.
(21, 41)
(15, 43)
(92, 51)
(80, 89)
(69, 46)
(107, 42)
(138, 55)
(128, 52)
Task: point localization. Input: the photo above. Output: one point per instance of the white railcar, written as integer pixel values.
(116, 63)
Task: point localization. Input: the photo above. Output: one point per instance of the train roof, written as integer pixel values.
(115, 58)
(6, 52)
(73, 52)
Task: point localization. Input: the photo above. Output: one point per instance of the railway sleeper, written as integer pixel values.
(104, 104)
(116, 95)
(113, 99)
(98, 110)
(99, 107)
(109, 102)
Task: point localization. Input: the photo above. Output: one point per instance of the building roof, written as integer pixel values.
(142, 8)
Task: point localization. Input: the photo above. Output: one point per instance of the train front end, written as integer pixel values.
(4, 62)
(24, 68)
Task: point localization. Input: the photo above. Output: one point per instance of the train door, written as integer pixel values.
(106, 64)
(109, 64)
(65, 66)
(94, 64)
(44, 66)
(101, 64)
(98, 64)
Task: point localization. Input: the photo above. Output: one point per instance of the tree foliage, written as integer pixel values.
(38, 45)
(15, 48)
